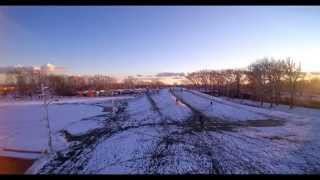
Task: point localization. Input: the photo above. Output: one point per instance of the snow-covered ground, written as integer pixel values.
(129, 135)
(299, 111)
(219, 110)
(22, 124)
(228, 110)
(292, 147)
(12, 102)
(173, 110)
(155, 134)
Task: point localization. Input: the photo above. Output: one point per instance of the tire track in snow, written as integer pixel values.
(268, 155)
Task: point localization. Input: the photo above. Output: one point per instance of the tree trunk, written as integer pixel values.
(292, 94)
(277, 101)
(261, 100)
(291, 99)
(272, 96)
(271, 101)
(238, 87)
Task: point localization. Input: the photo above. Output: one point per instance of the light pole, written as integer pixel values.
(46, 106)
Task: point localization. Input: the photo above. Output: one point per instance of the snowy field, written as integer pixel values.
(61, 101)
(289, 146)
(310, 112)
(179, 132)
(23, 126)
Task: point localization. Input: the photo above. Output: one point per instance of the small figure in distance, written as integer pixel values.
(201, 121)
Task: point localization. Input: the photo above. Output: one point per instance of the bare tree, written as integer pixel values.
(193, 78)
(10, 78)
(277, 74)
(267, 75)
(238, 82)
(265, 78)
(258, 75)
(292, 75)
(130, 82)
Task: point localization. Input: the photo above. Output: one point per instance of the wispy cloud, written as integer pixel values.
(48, 68)
(170, 74)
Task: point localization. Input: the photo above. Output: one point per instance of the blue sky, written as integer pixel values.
(147, 40)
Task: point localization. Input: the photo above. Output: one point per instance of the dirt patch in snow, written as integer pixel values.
(263, 123)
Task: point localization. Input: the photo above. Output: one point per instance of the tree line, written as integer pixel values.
(265, 80)
(27, 82)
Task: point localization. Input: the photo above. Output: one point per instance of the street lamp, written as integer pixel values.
(44, 90)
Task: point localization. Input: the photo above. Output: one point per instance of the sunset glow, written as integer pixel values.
(122, 41)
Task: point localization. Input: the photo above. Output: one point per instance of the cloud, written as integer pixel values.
(170, 74)
(48, 68)
(165, 77)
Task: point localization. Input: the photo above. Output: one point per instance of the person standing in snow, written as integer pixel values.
(201, 121)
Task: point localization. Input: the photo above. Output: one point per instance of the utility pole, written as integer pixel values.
(46, 102)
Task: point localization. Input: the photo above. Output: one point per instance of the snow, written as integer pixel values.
(290, 148)
(219, 109)
(114, 156)
(142, 141)
(140, 111)
(112, 153)
(63, 100)
(299, 111)
(23, 126)
(82, 127)
(231, 111)
(177, 110)
(127, 152)
(41, 161)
